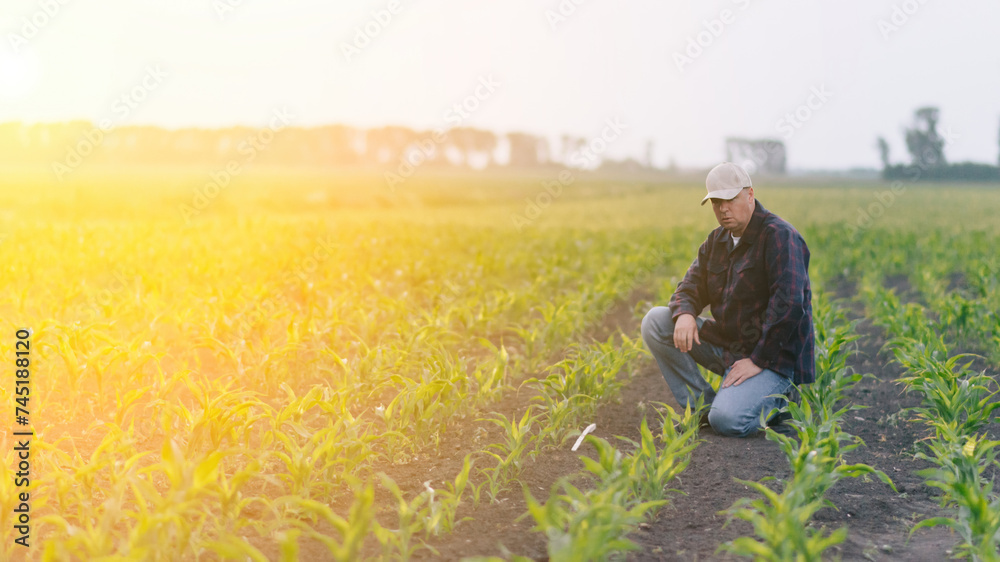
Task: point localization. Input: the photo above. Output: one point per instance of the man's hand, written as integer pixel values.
(741, 371)
(686, 333)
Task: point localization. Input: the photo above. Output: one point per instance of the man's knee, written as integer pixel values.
(731, 423)
(658, 323)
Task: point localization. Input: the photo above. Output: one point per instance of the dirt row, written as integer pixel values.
(495, 527)
(691, 527)
(879, 520)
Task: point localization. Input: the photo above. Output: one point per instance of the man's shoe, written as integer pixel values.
(793, 395)
(779, 419)
(778, 424)
(785, 429)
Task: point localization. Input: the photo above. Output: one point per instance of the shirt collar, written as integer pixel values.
(753, 227)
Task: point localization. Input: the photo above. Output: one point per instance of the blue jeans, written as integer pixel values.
(735, 410)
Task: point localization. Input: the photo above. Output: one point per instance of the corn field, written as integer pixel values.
(236, 387)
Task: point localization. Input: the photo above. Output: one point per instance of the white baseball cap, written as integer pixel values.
(726, 181)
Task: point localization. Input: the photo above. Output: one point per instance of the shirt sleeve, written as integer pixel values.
(690, 295)
(787, 260)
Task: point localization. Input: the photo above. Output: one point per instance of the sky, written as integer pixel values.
(827, 78)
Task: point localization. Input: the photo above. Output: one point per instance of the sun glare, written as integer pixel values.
(18, 74)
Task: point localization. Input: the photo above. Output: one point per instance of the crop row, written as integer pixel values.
(957, 404)
(564, 400)
(781, 520)
(956, 275)
(592, 523)
(302, 379)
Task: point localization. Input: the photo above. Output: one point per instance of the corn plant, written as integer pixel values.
(953, 394)
(491, 383)
(399, 543)
(611, 467)
(781, 519)
(589, 370)
(588, 525)
(650, 470)
(957, 404)
(227, 416)
(353, 530)
(442, 504)
(544, 336)
(232, 546)
(563, 416)
(592, 525)
(520, 443)
(960, 476)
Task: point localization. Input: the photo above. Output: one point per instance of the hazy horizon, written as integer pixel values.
(548, 68)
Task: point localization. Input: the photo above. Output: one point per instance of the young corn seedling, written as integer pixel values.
(511, 453)
(227, 416)
(952, 394)
(353, 530)
(588, 371)
(444, 503)
(174, 523)
(611, 467)
(233, 504)
(960, 476)
(564, 416)
(588, 525)
(780, 521)
(530, 337)
(650, 470)
(313, 469)
(957, 404)
(235, 547)
(492, 383)
(398, 544)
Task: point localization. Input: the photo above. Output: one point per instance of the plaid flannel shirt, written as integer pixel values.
(759, 296)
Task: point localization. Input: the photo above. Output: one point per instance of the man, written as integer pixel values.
(753, 273)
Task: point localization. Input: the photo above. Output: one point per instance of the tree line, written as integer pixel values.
(926, 144)
(66, 144)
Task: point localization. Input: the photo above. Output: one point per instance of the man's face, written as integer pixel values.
(734, 214)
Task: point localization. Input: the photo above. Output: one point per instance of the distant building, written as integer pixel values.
(763, 156)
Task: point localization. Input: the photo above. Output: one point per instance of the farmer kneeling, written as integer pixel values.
(753, 272)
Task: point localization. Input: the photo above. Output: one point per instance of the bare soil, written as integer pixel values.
(878, 519)
(692, 526)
